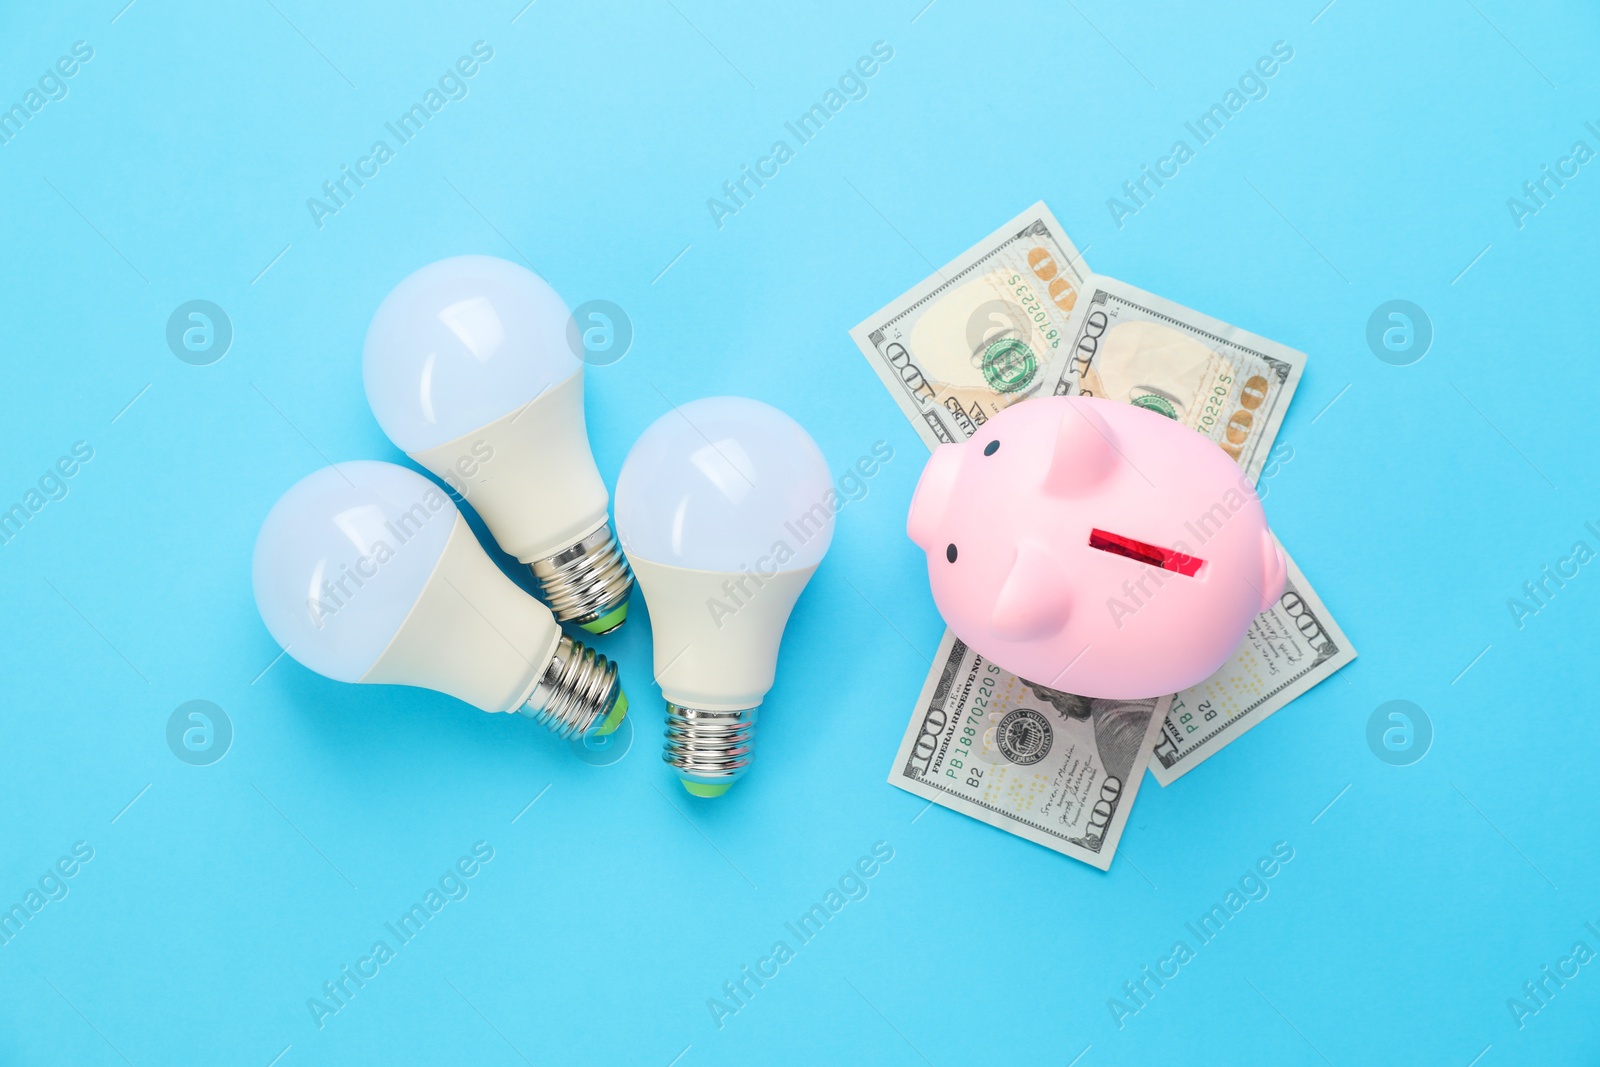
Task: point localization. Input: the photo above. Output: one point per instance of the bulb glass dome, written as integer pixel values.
(460, 343)
(342, 558)
(719, 484)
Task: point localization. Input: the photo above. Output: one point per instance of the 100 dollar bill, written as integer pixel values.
(1058, 769)
(1017, 315)
(986, 331)
(1141, 349)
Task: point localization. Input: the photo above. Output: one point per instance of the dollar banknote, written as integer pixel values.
(1058, 769)
(1018, 315)
(1230, 385)
(1290, 647)
(986, 331)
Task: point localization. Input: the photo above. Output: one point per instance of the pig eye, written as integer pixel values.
(991, 448)
(950, 553)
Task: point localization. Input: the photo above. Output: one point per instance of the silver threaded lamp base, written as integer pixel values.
(587, 583)
(577, 692)
(709, 749)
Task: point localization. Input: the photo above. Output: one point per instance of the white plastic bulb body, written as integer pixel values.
(724, 507)
(366, 572)
(469, 370)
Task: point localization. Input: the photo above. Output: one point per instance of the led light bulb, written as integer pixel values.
(724, 508)
(366, 572)
(469, 371)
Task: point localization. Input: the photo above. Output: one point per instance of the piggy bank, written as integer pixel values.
(1095, 547)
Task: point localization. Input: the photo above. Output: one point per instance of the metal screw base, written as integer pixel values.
(709, 748)
(586, 581)
(576, 690)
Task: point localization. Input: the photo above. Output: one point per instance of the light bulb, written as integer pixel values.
(468, 369)
(724, 508)
(366, 572)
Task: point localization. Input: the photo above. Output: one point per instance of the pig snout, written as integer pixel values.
(933, 497)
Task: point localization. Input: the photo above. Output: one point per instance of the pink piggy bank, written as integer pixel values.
(1095, 547)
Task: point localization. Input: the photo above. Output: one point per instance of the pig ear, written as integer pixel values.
(1036, 598)
(1085, 452)
(931, 501)
(1275, 570)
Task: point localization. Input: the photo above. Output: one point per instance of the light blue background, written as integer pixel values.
(1424, 497)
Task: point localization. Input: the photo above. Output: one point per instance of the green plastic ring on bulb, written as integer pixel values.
(614, 720)
(607, 622)
(702, 789)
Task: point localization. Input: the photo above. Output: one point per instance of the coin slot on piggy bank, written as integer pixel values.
(1165, 558)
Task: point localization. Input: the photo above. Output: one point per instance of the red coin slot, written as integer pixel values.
(1165, 558)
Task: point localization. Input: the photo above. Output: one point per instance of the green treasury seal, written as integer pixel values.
(1009, 365)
